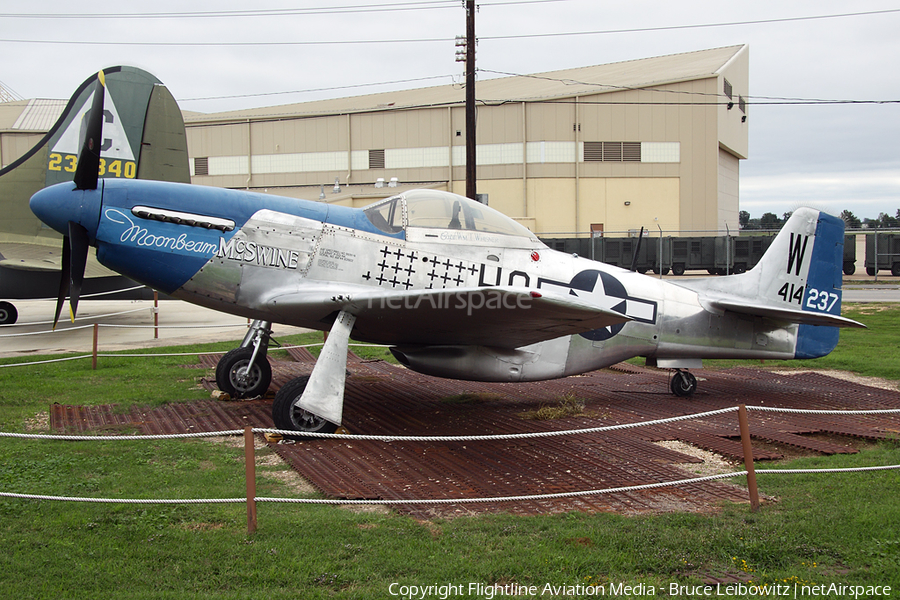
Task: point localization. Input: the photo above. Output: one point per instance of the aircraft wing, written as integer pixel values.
(801, 317)
(496, 316)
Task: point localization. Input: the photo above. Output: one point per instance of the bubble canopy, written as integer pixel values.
(434, 209)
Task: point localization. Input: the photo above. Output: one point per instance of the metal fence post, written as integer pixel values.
(96, 343)
(250, 466)
(744, 425)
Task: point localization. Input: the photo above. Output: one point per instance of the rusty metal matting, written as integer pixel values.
(383, 399)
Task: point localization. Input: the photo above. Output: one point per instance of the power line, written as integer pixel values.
(695, 26)
(720, 98)
(277, 12)
(313, 90)
(433, 40)
(226, 44)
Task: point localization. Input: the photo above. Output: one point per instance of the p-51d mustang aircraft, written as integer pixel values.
(455, 288)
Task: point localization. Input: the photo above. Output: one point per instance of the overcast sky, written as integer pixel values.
(833, 157)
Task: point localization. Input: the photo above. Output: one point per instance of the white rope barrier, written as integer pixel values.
(164, 354)
(124, 500)
(94, 295)
(123, 438)
(804, 411)
(377, 438)
(419, 438)
(113, 325)
(420, 501)
(115, 314)
(251, 499)
(629, 488)
(46, 362)
(497, 437)
(807, 471)
(57, 331)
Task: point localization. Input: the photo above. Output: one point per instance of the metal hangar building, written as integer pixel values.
(655, 142)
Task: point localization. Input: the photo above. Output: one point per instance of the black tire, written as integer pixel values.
(678, 269)
(289, 417)
(895, 269)
(683, 384)
(739, 268)
(8, 313)
(849, 268)
(870, 271)
(232, 380)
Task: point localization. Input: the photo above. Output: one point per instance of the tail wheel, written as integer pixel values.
(683, 384)
(238, 379)
(895, 269)
(287, 414)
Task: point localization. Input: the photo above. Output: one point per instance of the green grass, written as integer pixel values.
(841, 529)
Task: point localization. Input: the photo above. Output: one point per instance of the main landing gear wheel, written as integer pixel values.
(8, 313)
(288, 415)
(683, 384)
(237, 380)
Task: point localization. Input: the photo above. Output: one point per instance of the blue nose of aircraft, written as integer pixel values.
(58, 204)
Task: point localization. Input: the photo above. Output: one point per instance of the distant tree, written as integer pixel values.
(744, 218)
(786, 216)
(851, 220)
(887, 221)
(769, 221)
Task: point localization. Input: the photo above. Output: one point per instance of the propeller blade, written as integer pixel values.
(74, 261)
(88, 168)
(78, 238)
(65, 280)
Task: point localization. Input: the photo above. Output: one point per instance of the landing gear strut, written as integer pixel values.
(683, 383)
(245, 372)
(315, 403)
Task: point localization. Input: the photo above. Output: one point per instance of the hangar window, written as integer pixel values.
(612, 152)
(742, 104)
(201, 165)
(593, 151)
(376, 159)
(631, 151)
(728, 89)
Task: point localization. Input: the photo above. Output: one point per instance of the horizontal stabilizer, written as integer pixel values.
(790, 315)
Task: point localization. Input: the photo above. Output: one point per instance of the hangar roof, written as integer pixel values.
(640, 73)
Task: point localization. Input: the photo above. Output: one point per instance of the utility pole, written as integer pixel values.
(468, 54)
